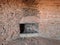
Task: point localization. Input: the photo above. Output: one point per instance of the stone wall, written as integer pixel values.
(46, 13)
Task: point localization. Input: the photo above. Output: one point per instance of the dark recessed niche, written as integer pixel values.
(28, 28)
(22, 27)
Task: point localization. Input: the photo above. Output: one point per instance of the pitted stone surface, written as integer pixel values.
(11, 14)
(34, 41)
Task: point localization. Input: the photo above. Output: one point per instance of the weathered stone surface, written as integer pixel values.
(34, 41)
(11, 14)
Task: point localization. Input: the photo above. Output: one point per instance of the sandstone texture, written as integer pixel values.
(44, 12)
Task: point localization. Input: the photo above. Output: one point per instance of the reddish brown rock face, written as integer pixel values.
(14, 12)
(29, 2)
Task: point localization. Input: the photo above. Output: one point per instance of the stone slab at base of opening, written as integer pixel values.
(29, 35)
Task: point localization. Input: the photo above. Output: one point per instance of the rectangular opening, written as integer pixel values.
(28, 28)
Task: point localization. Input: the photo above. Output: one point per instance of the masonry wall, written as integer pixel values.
(46, 13)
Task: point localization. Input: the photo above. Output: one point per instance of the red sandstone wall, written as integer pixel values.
(11, 13)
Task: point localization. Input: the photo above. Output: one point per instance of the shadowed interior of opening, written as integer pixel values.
(22, 27)
(28, 28)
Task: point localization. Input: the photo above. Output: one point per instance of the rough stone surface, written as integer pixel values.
(34, 41)
(12, 14)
